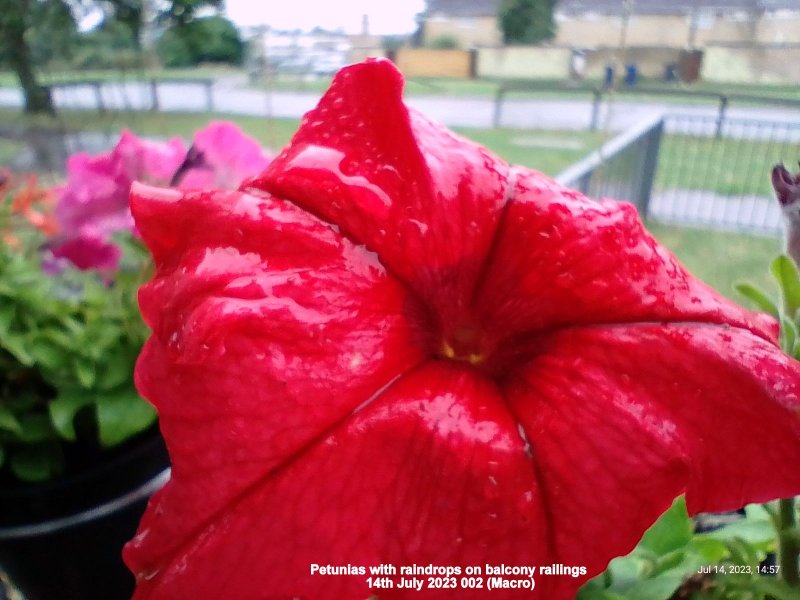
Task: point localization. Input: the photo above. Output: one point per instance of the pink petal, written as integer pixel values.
(231, 156)
(96, 190)
(87, 251)
(149, 161)
(269, 330)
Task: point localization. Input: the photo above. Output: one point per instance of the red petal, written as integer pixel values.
(433, 471)
(562, 259)
(426, 200)
(623, 419)
(269, 329)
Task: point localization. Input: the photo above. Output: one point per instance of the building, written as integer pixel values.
(598, 23)
(317, 52)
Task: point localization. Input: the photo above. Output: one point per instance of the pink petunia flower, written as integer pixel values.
(393, 347)
(95, 199)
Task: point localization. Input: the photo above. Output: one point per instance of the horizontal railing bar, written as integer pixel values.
(607, 151)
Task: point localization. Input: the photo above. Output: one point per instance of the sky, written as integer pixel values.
(385, 16)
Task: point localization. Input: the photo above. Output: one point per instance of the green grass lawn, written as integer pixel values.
(719, 258)
(726, 166)
(8, 149)
(8, 79)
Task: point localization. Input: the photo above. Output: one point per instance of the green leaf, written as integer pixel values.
(46, 354)
(755, 532)
(63, 410)
(117, 368)
(121, 415)
(85, 372)
(36, 428)
(672, 531)
(627, 570)
(709, 550)
(657, 588)
(7, 311)
(788, 335)
(785, 273)
(21, 402)
(16, 345)
(774, 588)
(757, 296)
(36, 463)
(9, 422)
(593, 590)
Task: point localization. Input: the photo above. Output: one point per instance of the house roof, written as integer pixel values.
(484, 8)
(462, 8)
(671, 7)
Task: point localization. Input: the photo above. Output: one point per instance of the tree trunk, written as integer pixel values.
(18, 55)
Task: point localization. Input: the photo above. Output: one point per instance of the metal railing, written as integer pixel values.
(623, 168)
(722, 99)
(136, 94)
(719, 177)
(686, 170)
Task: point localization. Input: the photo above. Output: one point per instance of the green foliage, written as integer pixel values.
(112, 45)
(670, 556)
(527, 21)
(51, 33)
(210, 39)
(173, 52)
(444, 42)
(127, 13)
(391, 43)
(182, 12)
(68, 344)
(47, 26)
(787, 309)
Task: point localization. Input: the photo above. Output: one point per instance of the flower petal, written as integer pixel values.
(426, 200)
(269, 329)
(89, 251)
(622, 419)
(432, 472)
(149, 161)
(562, 259)
(229, 156)
(96, 194)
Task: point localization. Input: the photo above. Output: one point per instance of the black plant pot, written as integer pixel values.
(62, 539)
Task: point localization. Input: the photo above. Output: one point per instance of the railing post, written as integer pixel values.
(498, 106)
(723, 107)
(597, 96)
(649, 168)
(584, 181)
(209, 83)
(154, 104)
(98, 94)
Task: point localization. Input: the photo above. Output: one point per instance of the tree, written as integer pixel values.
(131, 14)
(21, 21)
(207, 39)
(527, 21)
(181, 12)
(16, 19)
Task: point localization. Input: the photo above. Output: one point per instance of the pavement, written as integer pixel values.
(232, 96)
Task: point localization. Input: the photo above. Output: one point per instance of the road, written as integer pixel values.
(229, 97)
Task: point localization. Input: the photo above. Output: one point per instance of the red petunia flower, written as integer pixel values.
(392, 347)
